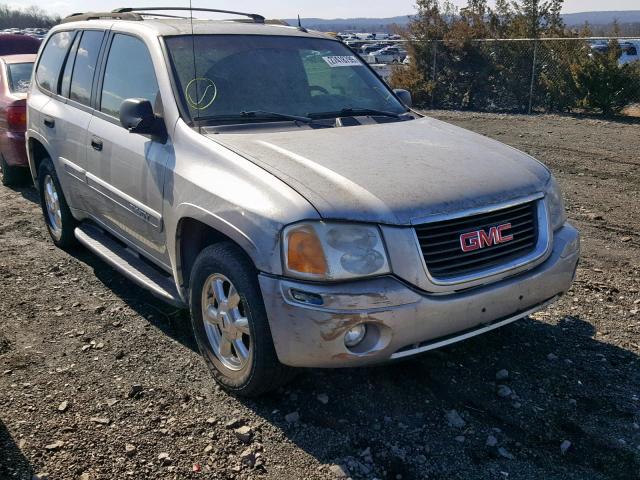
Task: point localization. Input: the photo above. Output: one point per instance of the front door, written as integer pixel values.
(127, 170)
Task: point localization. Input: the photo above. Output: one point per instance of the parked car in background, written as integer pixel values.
(15, 74)
(630, 51)
(387, 55)
(368, 48)
(12, 44)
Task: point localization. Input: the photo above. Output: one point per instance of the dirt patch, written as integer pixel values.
(105, 382)
(5, 345)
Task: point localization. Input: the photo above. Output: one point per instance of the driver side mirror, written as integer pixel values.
(404, 96)
(137, 116)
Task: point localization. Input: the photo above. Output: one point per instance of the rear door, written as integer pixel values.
(44, 91)
(126, 169)
(76, 86)
(66, 117)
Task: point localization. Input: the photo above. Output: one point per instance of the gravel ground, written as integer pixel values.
(98, 380)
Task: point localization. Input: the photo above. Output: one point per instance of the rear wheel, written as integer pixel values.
(230, 323)
(57, 216)
(12, 175)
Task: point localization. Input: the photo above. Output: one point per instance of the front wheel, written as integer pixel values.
(230, 323)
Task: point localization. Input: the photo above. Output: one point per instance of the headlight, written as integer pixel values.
(555, 204)
(333, 251)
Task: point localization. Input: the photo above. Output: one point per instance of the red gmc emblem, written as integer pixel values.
(481, 239)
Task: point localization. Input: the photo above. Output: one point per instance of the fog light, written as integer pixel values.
(355, 335)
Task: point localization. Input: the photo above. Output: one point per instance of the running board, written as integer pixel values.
(128, 263)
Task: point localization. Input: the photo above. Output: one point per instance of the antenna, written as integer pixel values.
(300, 27)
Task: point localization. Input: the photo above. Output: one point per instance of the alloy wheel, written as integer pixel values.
(226, 323)
(52, 202)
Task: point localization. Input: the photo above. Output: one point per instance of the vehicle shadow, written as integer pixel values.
(562, 386)
(170, 320)
(13, 464)
(27, 191)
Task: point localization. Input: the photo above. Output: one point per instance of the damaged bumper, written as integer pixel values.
(309, 321)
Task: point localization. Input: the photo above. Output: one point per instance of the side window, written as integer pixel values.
(65, 84)
(85, 66)
(129, 74)
(51, 60)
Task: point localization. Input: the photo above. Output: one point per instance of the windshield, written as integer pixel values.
(19, 76)
(288, 75)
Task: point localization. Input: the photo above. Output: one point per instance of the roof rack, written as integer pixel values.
(253, 16)
(136, 14)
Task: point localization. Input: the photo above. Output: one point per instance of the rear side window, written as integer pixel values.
(19, 75)
(65, 84)
(129, 74)
(85, 66)
(51, 60)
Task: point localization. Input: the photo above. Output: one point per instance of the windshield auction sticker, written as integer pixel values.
(345, 61)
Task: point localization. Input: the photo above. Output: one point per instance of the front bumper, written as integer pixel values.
(401, 320)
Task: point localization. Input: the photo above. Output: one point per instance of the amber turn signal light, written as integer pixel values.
(304, 252)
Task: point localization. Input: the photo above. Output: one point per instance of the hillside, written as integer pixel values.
(602, 18)
(355, 24)
(384, 24)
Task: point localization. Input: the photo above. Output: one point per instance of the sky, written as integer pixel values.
(306, 8)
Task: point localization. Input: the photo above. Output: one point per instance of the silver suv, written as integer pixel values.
(264, 177)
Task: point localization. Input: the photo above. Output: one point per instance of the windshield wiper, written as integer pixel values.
(266, 115)
(356, 111)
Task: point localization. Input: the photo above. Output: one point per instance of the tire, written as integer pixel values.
(62, 232)
(258, 373)
(12, 175)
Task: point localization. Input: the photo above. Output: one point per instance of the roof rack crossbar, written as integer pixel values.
(254, 16)
(78, 17)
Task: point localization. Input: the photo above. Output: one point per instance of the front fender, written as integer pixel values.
(262, 255)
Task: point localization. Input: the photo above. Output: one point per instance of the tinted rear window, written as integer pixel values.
(19, 75)
(52, 59)
(85, 66)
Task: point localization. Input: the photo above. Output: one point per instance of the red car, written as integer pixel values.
(11, 44)
(15, 75)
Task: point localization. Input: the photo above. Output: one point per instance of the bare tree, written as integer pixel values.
(32, 16)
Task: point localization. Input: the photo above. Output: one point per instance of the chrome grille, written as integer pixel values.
(441, 246)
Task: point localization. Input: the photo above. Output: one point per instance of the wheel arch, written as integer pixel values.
(196, 230)
(37, 152)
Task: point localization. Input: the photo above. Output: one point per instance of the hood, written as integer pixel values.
(393, 173)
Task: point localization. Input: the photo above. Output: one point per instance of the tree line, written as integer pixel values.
(459, 61)
(30, 17)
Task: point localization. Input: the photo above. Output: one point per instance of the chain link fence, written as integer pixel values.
(506, 75)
